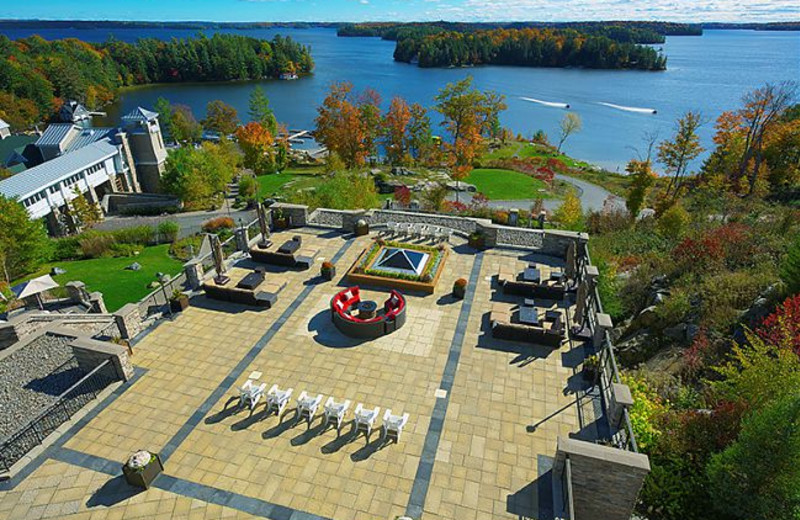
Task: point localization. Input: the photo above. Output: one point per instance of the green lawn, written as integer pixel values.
(506, 184)
(269, 185)
(109, 276)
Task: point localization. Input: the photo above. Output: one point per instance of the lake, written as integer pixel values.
(709, 73)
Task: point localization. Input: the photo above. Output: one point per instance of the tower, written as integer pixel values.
(146, 146)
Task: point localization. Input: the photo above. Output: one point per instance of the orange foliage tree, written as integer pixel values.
(395, 125)
(257, 144)
(349, 125)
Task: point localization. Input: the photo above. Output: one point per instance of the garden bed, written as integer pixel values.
(364, 270)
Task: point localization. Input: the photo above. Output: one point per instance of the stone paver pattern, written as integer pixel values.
(485, 460)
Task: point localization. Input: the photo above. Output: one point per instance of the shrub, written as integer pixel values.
(758, 476)
(782, 327)
(570, 213)
(248, 187)
(95, 245)
(67, 248)
(142, 235)
(122, 250)
(674, 309)
(725, 295)
(673, 222)
(185, 248)
(608, 288)
(217, 224)
(168, 231)
(646, 411)
(608, 220)
(790, 267)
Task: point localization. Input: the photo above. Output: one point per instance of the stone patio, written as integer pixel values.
(465, 452)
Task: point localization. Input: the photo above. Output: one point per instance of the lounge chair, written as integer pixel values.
(393, 425)
(307, 406)
(277, 399)
(335, 412)
(365, 419)
(250, 394)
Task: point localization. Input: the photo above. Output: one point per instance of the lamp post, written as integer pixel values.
(164, 279)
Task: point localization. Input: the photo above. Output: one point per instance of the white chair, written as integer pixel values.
(392, 227)
(307, 406)
(250, 394)
(393, 424)
(277, 399)
(335, 412)
(365, 419)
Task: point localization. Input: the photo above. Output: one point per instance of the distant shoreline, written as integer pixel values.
(190, 24)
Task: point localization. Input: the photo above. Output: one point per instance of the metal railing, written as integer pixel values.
(621, 434)
(18, 444)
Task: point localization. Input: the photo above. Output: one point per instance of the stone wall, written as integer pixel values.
(330, 218)
(128, 320)
(297, 213)
(23, 325)
(90, 353)
(605, 480)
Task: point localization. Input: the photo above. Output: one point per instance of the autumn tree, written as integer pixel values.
(260, 111)
(183, 127)
(468, 115)
(257, 144)
(570, 124)
(348, 127)
(87, 212)
(677, 153)
(221, 118)
(395, 126)
(643, 177)
(570, 213)
(420, 136)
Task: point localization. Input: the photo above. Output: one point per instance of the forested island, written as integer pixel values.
(37, 76)
(530, 48)
(632, 32)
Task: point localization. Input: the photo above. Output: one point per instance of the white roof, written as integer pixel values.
(34, 286)
(46, 174)
(140, 114)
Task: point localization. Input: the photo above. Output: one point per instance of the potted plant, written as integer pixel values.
(280, 219)
(459, 288)
(591, 368)
(328, 270)
(178, 301)
(362, 228)
(476, 240)
(142, 468)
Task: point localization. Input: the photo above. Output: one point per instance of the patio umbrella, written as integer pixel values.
(219, 260)
(262, 223)
(34, 287)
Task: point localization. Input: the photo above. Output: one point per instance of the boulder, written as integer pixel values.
(645, 319)
(136, 266)
(677, 332)
(57, 270)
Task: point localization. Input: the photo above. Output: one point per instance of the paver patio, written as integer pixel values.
(465, 452)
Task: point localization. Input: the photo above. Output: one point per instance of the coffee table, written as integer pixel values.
(528, 315)
(531, 274)
(367, 309)
(251, 281)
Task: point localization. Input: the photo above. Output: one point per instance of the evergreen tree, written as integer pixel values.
(23, 242)
(260, 111)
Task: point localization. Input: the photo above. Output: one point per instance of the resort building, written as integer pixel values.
(72, 158)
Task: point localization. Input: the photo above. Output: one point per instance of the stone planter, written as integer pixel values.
(281, 223)
(179, 304)
(362, 228)
(143, 478)
(459, 291)
(476, 241)
(328, 274)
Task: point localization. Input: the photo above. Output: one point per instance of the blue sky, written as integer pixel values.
(359, 10)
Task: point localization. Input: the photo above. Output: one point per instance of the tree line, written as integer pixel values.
(630, 31)
(37, 76)
(527, 47)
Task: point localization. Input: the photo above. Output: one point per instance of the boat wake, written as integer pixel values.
(546, 103)
(637, 110)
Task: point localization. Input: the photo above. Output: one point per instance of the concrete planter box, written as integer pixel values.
(476, 242)
(328, 274)
(459, 291)
(395, 283)
(180, 304)
(145, 477)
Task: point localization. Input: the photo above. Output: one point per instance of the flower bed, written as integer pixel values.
(363, 271)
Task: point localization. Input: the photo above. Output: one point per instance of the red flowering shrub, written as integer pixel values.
(730, 243)
(698, 353)
(402, 195)
(556, 164)
(782, 327)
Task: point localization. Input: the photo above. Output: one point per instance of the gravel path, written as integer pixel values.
(32, 378)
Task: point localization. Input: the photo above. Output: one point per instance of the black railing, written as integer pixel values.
(621, 434)
(19, 443)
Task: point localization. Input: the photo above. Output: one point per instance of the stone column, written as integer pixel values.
(602, 325)
(194, 273)
(129, 321)
(90, 353)
(98, 305)
(76, 291)
(621, 399)
(513, 217)
(242, 240)
(605, 481)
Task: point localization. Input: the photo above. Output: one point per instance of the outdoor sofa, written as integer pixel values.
(388, 319)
